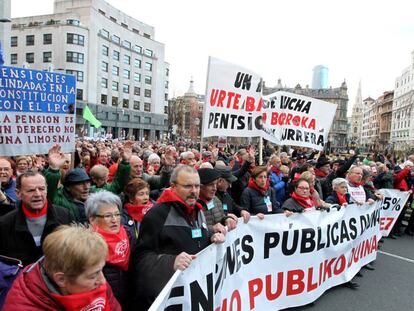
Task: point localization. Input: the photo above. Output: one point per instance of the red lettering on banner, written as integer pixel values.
(249, 103)
(279, 286)
(386, 222)
(255, 288)
(342, 261)
(311, 286)
(295, 283)
(327, 269)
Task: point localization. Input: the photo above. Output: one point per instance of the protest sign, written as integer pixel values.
(37, 110)
(391, 206)
(278, 262)
(292, 119)
(233, 101)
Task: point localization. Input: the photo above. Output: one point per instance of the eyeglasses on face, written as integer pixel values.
(108, 216)
(303, 188)
(189, 187)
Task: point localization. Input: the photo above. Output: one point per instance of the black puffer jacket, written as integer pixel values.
(255, 202)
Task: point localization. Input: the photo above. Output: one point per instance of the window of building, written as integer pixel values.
(104, 66)
(127, 59)
(112, 19)
(137, 77)
(78, 74)
(147, 93)
(75, 22)
(125, 88)
(148, 52)
(102, 12)
(166, 84)
(13, 41)
(74, 57)
(116, 39)
(137, 48)
(165, 96)
(13, 59)
(167, 72)
(148, 79)
(115, 70)
(135, 31)
(105, 33)
(47, 38)
(137, 91)
(47, 57)
(146, 35)
(125, 103)
(126, 74)
(114, 101)
(79, 94)
(73, 38)
(104, 99)
(147, 107)
(105, 50)
(30, 58)
(30, 39)
(115, 86)
(137, 63)
(124, 25)
(115, 55)
(148, 66)
(104, 83)
(166, 109)
(126, 44)
(147, 120)
(136, 105)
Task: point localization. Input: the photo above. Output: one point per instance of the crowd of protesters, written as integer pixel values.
(109, 224)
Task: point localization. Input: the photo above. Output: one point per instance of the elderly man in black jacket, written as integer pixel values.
(23, 230)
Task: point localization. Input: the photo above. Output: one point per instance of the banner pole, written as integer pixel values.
(260, 150)
(204, 107)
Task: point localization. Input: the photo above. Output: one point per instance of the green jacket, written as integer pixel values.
(119, 182)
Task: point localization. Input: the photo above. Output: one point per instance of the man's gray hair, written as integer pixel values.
(152, 157)
(338, 181)
(181, 168)
(96, 200)
(184, 155)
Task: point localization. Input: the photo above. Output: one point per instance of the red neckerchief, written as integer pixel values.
(169, 196)
(304, 202)
(118, 247)
(30, 214)
(320, 173)
(275, 170)
(356, 184)
(137, 212)
(240, 159)
(341, 198)
(252, 184)
(296, 177)
(89, 301)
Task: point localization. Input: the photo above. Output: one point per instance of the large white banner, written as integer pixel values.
(37, 110)
(391, 207)
(233, 101)
(292, 119)
(278, 262)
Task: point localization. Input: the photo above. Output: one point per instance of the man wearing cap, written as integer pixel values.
(212, 207)
(229, 205)
(23, 230)
(171, 233)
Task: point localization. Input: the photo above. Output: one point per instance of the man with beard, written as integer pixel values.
(171, 233)
(23, 230)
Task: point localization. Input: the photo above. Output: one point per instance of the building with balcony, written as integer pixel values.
(370, 124)
(385, 103)
(337, 138)
(120, 68)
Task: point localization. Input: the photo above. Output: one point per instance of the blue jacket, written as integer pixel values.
(279, 185)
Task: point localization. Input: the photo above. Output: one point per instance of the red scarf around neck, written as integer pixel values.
(262, 191)
(137, 212)
(95, 300)
(276, 170)
(341, 198)
(30, 214)
(304, 202)
(169, 196)
(320, 173)
(118, 247)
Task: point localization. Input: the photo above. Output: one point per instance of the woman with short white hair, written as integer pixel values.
(340, 193)
(154, 162)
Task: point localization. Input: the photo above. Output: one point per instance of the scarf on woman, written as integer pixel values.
(92, 300)
(118, 247)
(137, 212)
(252, 184)
(341, 198)
(304, 202)
(276, 170)
(320, 173)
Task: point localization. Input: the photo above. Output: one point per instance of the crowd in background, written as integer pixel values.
(110, 223)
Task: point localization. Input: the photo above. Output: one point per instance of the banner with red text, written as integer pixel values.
(296, 120)
(233, 101)
(391, 206)
(37, 110)
(278, 262)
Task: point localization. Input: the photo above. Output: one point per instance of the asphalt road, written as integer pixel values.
(390, 287)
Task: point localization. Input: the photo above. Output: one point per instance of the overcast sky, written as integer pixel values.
(357, 40)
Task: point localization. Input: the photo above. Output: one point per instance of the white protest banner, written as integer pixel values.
(278, 262)
(37, 110)
(292, 119)
(233, 101)
(391, 207)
